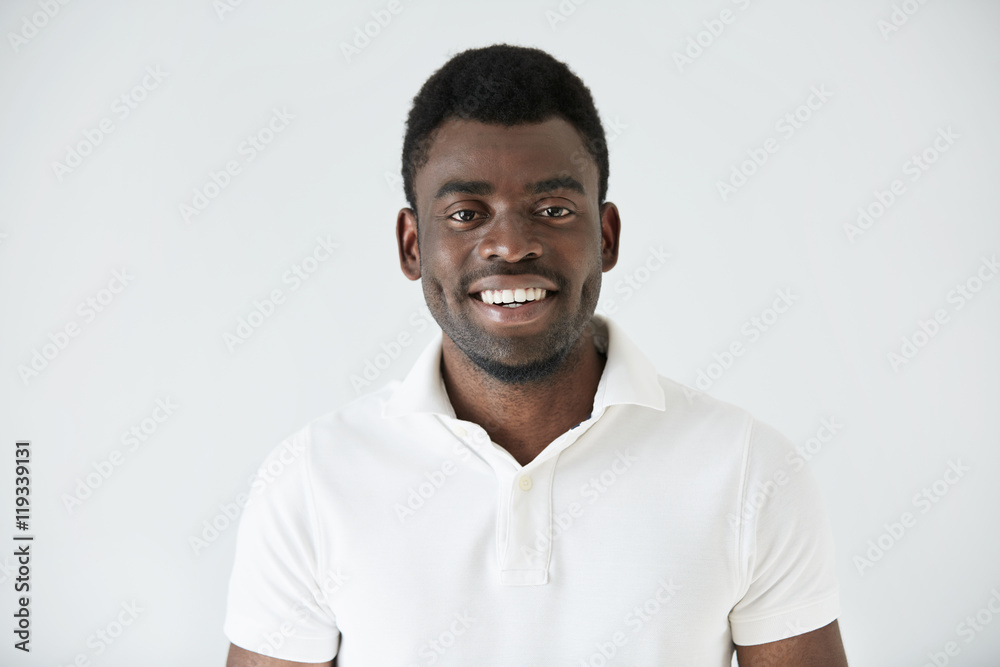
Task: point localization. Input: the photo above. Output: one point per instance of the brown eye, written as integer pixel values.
(465, 215)
(554, 211)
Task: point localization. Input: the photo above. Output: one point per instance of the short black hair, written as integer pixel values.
(501, 85)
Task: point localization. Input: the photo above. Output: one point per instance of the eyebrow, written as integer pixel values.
(482, 188)
(557, 183)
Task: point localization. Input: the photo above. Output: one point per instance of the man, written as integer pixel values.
(533, 493)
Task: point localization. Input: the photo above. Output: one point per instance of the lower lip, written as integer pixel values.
(529, 311)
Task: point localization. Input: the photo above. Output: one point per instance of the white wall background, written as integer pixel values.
(333, 171)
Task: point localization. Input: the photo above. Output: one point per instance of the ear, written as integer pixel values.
(406, 240)
(611, 226)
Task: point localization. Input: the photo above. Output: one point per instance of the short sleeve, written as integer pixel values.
(275, 605)
(786, 546)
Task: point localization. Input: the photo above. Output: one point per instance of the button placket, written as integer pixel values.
(524, 503)
(527, 537)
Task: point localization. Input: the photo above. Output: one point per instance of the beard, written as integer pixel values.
(516, 360)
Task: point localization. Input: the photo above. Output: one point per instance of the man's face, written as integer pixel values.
(507, 212)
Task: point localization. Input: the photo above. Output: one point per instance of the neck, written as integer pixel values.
(524, 418)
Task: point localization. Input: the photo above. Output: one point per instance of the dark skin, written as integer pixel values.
(495, 201)
(561, 232)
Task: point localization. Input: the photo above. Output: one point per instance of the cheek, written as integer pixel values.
(443, 268)
(584, 255)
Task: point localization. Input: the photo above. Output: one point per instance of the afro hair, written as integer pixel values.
(501, 85)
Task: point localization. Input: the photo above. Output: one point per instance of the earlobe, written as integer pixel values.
(407, 243)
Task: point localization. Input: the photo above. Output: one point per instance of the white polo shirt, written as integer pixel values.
(660, 531)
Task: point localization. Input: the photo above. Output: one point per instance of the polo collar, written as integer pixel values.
(628, 378)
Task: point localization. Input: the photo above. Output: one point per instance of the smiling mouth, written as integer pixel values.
(513, 298)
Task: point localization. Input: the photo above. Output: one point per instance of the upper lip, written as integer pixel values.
(523, 280)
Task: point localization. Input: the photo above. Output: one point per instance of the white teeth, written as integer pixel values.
(511, 296)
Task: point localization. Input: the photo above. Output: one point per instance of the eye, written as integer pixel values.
(465, 215)
(556, 212)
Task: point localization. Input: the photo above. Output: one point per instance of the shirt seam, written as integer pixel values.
(742, 549)
(551, 507)
(811, 602)
(317, 546)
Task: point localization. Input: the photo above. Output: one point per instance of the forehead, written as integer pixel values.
(506, 156)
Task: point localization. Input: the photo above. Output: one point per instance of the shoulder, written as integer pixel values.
(293, 460)
(728, 429)
(697, 412)
(362, 414)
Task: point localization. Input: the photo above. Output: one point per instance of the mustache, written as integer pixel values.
(513, 270)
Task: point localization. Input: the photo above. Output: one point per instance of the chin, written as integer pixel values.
(525, 373)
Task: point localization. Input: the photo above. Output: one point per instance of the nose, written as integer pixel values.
(510, 237)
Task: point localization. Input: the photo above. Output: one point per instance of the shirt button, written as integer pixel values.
(459, 431)
(524, 483)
